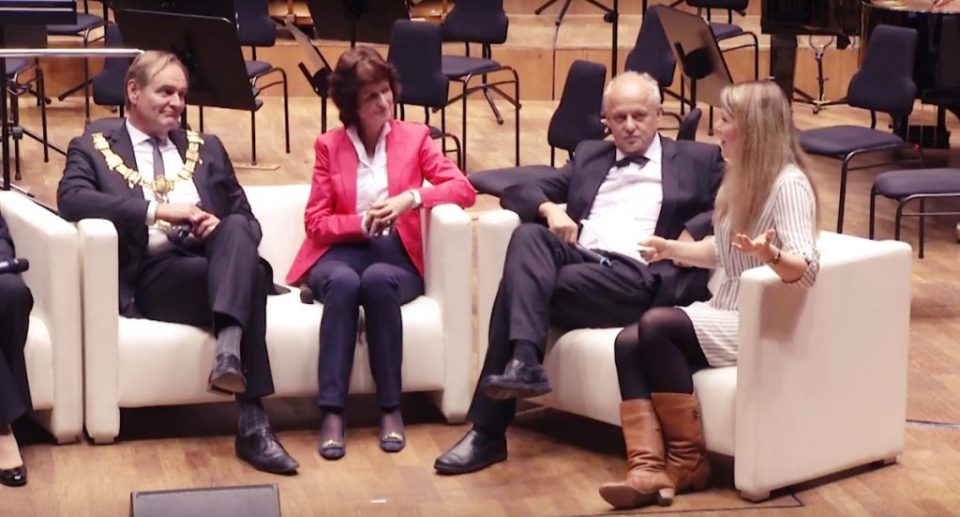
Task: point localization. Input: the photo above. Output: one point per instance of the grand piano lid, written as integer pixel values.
(917, 6)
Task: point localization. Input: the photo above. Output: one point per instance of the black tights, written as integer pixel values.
(659, 353)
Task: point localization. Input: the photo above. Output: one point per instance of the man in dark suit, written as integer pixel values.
(583, 268)
(187, 238)
(16, 302)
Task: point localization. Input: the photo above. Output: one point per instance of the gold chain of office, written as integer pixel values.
(160, 186)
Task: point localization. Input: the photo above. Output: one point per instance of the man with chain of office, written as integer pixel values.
(187, 237)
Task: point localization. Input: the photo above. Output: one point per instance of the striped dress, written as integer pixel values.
(790, 210)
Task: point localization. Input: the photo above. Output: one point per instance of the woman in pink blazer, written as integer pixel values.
(363, 245)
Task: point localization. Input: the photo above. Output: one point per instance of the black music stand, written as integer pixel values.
(363, 24)
(610, 15)
(317, 73)
(213, 8)
(208, 47)
(24, 12)
(699, 56)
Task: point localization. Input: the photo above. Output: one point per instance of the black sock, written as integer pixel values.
(228, 340)
(526, 352)
(252, 417)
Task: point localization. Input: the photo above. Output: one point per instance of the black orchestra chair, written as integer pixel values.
(415, 51)
(651, 54)
(255, 29)
(576, 119)
(483, 22)
(689, 124)
(904, 186)
(108, 86)
(17, 86)
(83, 28)
(884, 83)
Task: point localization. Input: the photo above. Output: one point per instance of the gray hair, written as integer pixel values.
(646, 80)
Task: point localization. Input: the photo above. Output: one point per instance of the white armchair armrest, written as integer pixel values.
(99, 263)
(447, 279)
(493, 236)
(822, 374)
(50, 244)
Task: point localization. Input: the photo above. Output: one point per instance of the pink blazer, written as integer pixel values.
(331, 216)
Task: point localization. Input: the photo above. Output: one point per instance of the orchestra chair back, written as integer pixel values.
(821, 382)
(138, 362)
(53, 349)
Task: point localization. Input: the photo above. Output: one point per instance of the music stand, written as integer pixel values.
(699, 56)
(213, 8)
(368, 25)
(208, 47)
(22, 12)
(319, 77)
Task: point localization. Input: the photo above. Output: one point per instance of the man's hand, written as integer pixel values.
(383, 214)
(204, 223)
(177, 213)
(559, 223)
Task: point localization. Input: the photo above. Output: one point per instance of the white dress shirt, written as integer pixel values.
(627, 205)
(185, 191)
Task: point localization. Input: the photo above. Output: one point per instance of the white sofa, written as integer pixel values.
(53, 349)
(822, 377)
(137, 362)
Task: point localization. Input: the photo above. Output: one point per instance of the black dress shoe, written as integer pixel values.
(262, 449)
(518, 381)
(16, 476)
(475, 451)
(226, 377)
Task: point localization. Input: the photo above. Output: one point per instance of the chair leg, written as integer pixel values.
(553, 157)
(286, 109)
(516, 118)
(922, 224)
(897, 219)
(873, 207)
(843, 192)
(463, 116)
(15, 117)
(253, 136)
(201, 118)
(41, 93)
(493, 105)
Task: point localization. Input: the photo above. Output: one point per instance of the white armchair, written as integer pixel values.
(821, 382)
(136, 362)
(53, 353)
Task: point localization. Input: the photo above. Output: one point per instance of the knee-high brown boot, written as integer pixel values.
(687, 464)
(646, 476)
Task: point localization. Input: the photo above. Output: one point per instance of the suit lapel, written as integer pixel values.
(394, 142)
(348, 163)
(122, 145)
(591, 178)
(670, 181)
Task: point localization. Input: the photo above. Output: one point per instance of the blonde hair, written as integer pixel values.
(766, 144)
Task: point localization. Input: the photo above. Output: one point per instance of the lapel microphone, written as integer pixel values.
(17, 265)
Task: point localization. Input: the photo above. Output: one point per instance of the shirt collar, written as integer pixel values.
(354, 136)
(138, 137)
(653, 153)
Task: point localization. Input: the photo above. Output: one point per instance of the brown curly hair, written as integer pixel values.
(357, 68)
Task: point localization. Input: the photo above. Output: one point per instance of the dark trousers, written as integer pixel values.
(16, 302)
(220, 283)
(548, 282)
(379, 276)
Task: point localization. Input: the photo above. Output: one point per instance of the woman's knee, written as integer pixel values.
(337, 282)
(379, 282)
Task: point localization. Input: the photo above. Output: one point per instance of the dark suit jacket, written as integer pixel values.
(6, 242)
(89, 189)
(691, 176)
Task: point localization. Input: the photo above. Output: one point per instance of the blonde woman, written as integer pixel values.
(765, 216)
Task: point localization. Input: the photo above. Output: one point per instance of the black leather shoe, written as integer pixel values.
(226, 377)
(518, 381)
(475, 451)
(16, 476)
(262, 449)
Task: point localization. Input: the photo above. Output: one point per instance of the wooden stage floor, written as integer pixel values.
(556, 460)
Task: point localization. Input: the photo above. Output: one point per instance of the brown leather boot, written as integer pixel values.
(646, 476)
(687, 464)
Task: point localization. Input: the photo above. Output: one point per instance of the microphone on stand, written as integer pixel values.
(17, 265)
